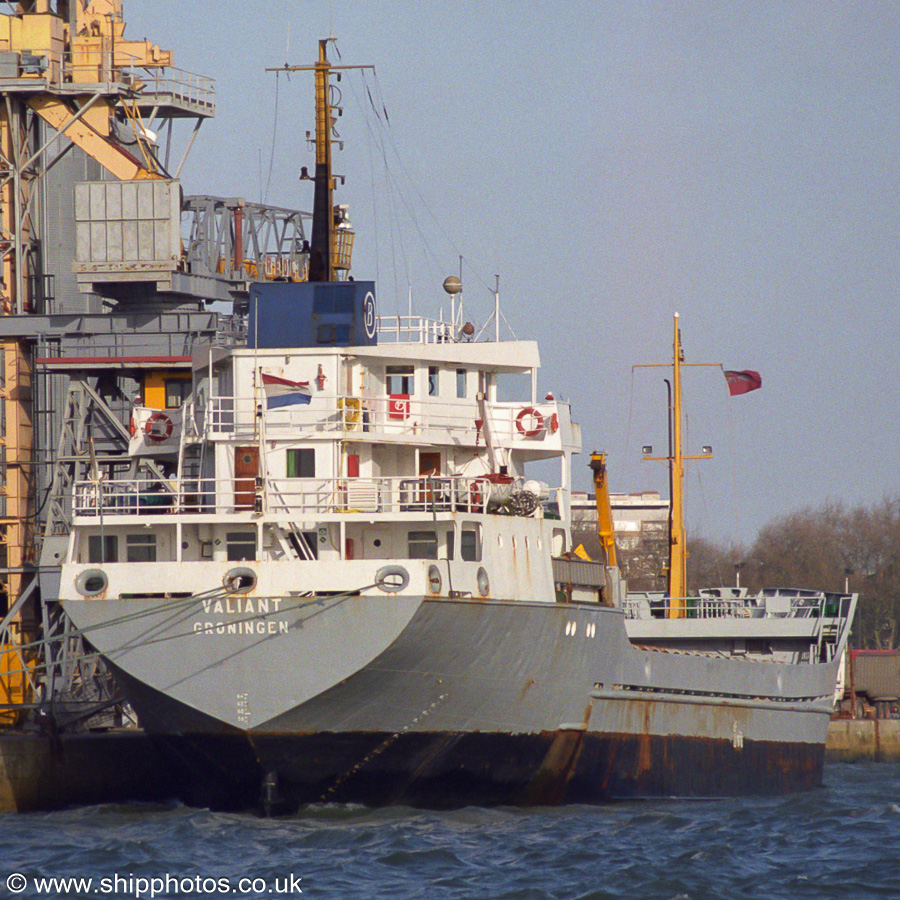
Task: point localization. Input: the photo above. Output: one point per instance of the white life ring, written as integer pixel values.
(537, 420)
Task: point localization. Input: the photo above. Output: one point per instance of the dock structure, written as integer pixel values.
(107, 276)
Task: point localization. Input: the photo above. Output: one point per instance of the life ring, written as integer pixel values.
(161, 433)
(478, 492)
(538, 419)
(554, 423)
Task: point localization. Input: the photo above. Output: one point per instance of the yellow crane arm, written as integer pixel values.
(605, 529)
(99, 147)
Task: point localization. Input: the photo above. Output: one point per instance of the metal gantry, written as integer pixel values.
(105, 276)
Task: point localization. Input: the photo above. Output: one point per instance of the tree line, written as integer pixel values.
(829, 547)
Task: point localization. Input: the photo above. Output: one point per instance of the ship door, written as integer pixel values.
(377, 543)
(429, 466)
(246, 470)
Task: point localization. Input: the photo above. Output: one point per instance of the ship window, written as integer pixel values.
(240, 546)
(400, 380)
(140, 547)
(177, 391)
(423, 545)
(432, 381)
(103, 548)
(301, 463)
(470, 545)
(333, 334)
(460, 382)
(329, 301)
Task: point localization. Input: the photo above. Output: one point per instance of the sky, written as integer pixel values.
(614, 163)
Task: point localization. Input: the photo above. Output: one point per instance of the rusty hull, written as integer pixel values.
(495, 703)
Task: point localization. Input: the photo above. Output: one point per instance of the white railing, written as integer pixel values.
(773, 604)
(102, 63)
(288, 496)
(509, 422)
(180, 84)
(414, 329)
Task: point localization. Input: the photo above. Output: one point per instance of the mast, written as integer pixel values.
(677, 575)
(330, 248)
(322, 239)
(677, 544)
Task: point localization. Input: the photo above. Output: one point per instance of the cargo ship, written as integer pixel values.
(331, 577)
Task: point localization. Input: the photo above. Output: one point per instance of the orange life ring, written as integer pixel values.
(538, 426)
(163, 433)
(554, 423)
(478, 491)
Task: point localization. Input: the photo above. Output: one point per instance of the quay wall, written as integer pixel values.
(44, 772)
(858, 740)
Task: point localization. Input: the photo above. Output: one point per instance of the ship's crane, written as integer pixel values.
(605, 529)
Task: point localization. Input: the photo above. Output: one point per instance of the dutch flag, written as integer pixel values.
(281, 392)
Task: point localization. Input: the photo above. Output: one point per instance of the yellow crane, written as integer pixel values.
(605, 530)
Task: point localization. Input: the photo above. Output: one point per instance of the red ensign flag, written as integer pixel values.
(742, 382)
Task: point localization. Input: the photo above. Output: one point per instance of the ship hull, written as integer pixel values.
(482, 703)
(446, 770)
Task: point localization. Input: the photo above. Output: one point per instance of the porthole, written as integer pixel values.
(239, 580)
(484, 583)
(91, 582)
(435, 582)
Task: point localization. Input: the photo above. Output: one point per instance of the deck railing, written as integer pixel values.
(391, 415)
(769, 603)
(293, 497)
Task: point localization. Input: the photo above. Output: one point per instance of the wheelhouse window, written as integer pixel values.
(140, 547)
(423, 545)
(240, 546)
(460, 383)
(301, 463)
(103, 548)
(333, 334)
(177, 391)
(400, 380)
(432, 381)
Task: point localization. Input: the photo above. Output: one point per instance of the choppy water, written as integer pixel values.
(841, 841)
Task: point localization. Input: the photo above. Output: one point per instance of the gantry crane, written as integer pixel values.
(102, 296)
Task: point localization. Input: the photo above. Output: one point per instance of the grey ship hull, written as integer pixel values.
(478, 702)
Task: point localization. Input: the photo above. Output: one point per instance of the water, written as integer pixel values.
(841, 841)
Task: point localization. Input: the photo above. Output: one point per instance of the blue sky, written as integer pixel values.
(614, 163)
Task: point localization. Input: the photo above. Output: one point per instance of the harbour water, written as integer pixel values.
(840, 841)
